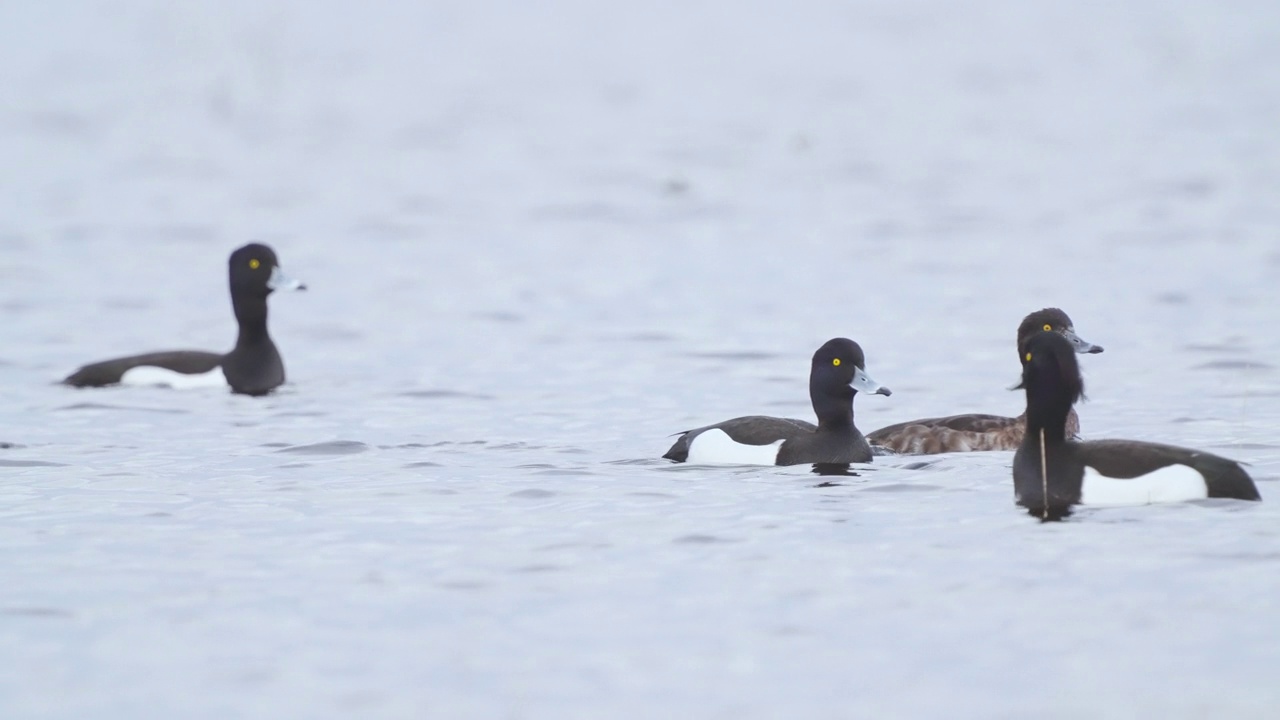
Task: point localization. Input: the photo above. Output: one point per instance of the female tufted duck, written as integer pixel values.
(962, 433)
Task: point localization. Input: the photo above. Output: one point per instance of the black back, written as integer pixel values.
(110, 372)
(1224, 478)
(748, 430)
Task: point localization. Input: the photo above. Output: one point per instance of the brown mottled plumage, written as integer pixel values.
(972, 432)
(958, 433)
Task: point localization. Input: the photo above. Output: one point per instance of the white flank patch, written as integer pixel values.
(1173, 483)
(152, 375)
(716, 447)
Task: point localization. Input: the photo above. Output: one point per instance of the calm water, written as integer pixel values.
(541, 237)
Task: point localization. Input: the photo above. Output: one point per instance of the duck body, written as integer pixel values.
(762, 440)
(959, 433)
(1122, 472)
(178, 367)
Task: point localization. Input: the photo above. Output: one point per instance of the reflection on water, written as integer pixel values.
(833, 469)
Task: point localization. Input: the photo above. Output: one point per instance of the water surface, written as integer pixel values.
(540, 238)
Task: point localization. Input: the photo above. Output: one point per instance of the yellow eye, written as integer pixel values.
(1047, 326)
(1028, 357)
(836, 362)
(254, 265)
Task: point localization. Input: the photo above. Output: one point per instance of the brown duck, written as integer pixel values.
(964, 433)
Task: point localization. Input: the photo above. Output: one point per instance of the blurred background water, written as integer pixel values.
(540, 238)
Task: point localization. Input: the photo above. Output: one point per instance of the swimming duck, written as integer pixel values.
(253, 367)
(837, 372)
(1052, 472)
(963, 433)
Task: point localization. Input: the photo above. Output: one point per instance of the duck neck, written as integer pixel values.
(251, 314)
(1046, 413)
(835, 412)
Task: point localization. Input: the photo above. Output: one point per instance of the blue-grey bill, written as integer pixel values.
(280, 281)
(1080, 344)
(862, 382)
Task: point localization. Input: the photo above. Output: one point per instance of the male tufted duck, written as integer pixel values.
(1052, 472)
(253, 367)
(837, 373)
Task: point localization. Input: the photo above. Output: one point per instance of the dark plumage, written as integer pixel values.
(962, 433)
(253, 367)
(1048, 487)
(837, 373)
(109, 372)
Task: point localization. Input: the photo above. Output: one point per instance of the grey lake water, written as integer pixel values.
(542, 237)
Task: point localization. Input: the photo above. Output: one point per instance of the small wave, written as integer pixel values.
(333, 447)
